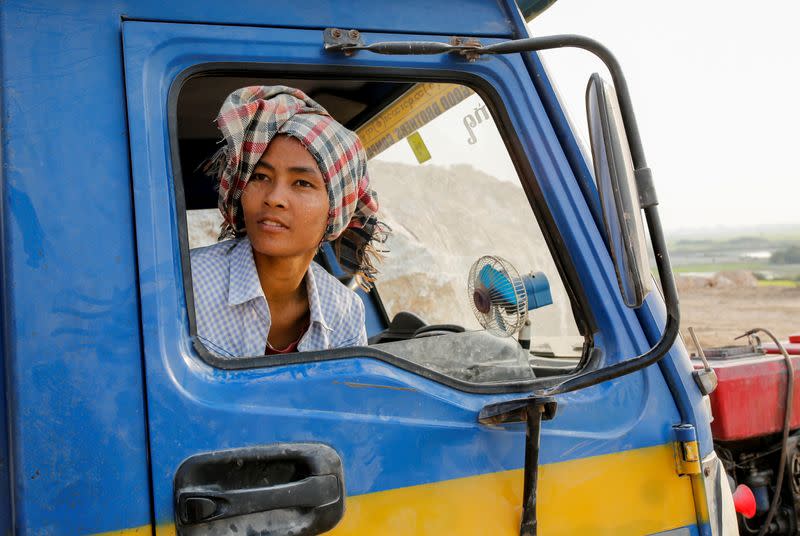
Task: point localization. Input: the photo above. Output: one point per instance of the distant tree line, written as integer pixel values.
(790, 255)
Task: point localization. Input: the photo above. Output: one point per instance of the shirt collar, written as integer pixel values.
(244, 285)
(314, 304)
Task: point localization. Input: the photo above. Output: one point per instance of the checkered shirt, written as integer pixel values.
(232, 314)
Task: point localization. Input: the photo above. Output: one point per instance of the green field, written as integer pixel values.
(721, 267)
(779, 283)
(708, 252)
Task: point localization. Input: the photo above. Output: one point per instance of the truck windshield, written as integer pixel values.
(451, 194)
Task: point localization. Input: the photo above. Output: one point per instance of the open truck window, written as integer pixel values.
(449, 190)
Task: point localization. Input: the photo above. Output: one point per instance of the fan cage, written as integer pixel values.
(508, 301)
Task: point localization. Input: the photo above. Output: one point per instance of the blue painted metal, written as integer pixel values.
(675, 367)
(677, 370)
(566, 136)
(87, 290)
(194, 407)
(685, 433)
(73, 368)
(5, 461)
(5, 477)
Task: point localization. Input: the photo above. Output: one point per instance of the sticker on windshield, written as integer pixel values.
(414, 109)
(417, 144)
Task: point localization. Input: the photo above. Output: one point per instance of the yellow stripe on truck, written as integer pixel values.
(633, 492)
(166, 530)
(137, 531)
(626, 493)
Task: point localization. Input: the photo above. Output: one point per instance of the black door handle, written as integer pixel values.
(273, 489)
(201, 505)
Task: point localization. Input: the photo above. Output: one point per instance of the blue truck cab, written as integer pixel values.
(582, 418)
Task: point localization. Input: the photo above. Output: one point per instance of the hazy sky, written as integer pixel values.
(716, 89)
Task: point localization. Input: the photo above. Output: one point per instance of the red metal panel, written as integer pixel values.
(749, 400)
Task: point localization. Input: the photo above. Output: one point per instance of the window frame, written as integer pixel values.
(582, 313)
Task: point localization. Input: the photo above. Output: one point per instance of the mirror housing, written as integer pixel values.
(619, 196)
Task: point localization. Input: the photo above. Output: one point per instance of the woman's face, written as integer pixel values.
(285, 202)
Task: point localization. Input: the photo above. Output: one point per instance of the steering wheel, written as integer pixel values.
(437, 329)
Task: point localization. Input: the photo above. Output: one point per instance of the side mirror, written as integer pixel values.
(619, 197)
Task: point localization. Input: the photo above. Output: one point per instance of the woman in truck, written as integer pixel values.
(290, 178)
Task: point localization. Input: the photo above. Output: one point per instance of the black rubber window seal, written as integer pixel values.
(590, 355)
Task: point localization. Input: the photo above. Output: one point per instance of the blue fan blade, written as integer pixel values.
(498, 283)
(499, 319)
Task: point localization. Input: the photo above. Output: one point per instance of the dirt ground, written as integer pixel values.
(720, 314)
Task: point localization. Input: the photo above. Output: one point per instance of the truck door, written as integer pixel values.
(385, 439)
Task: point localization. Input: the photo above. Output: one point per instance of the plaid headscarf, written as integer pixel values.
(250, 118)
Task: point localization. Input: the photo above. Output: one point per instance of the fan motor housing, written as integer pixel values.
(537, 287)
(482, 300)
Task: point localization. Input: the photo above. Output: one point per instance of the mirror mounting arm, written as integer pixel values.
(646, 188)
(539, 406)
(532, 411)
(671, 328)
(472, 51)
(335, 42)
